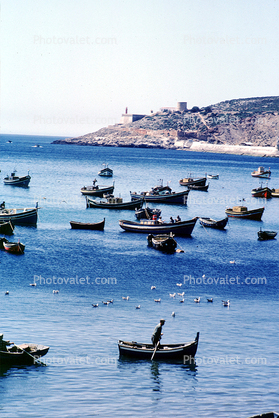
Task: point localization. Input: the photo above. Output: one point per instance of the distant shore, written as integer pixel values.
(235, 149)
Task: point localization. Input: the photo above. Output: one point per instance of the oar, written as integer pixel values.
(34, 358)
(155, 349)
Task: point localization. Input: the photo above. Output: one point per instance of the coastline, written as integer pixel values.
(234, 149)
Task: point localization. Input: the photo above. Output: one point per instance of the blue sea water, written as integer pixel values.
(236, 370)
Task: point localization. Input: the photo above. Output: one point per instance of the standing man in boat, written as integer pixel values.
(157, 333)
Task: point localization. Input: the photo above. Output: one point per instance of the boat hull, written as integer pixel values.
(198, 187)
(27, 216)
(254, 214)
(180, 197)
(266, 235)
(211, 223)
(96, 191)
(17, 181)
(98, 226)
(192, 182)
(6, 228)
(265, 192)
(22, 357)
(177, 352)
(14, 247)
(182, 228)
(135, 204)
(162, 242)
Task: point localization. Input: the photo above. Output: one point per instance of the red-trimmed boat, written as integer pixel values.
(265, 192)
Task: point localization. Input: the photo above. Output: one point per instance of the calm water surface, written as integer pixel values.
(236, 370)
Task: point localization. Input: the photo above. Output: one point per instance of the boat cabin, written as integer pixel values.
(240, 209)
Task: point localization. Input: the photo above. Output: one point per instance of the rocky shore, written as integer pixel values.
(241, 126)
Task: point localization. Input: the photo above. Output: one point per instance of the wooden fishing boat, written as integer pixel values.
(261, 173)
(95, 190)
(182, 228)
(23, 354)
(14, 247)
(198, 187)
(97, 226)
(211, 223)
(243, 213)
(106, 171)
(22, 216)
(6, 228)
(114, 203)
(265, 192)
(179, 352)
(190, 181)
(162, 194)
(266, 235)
(147, 213)
(213, 176)
(14, 180)
(162, 242)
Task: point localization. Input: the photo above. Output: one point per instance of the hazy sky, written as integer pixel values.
(69, 67)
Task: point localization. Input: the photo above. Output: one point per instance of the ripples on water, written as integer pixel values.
(236, 371)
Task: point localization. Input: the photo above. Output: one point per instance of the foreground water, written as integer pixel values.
(236, 370)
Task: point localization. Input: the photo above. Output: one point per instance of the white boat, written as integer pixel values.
(262, 173)
(213, 176)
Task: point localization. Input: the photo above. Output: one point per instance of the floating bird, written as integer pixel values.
(33, 284)
(232, 262)
(210, 300)
(226, 302)
(157, 300)
(138, 307)
(197, 300)
(95, 305)
(7, 292)
(173, 314)
(181, 301)
(125, 297)
(181, 294)
(110, 301)
(172, 295)
(153, 287)
(106, 303)
(55, 291)
(179, 284)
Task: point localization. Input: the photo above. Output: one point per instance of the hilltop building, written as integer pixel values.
(132, 117)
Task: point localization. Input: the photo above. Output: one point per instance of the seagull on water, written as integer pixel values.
(173, 314)
(157, 300)
(181, 294)
(138, 307)
(181, 301)
(125, 297)
(179, 284)
(95, 305)
(210, 300)
(153, 287)
(226, 302)
(197, 300)
(106, 303)
(7, 292)
(172, 295)
(55, 291)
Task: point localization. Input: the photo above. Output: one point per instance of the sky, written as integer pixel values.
(71, 67)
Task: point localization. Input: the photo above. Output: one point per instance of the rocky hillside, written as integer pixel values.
(232, 122)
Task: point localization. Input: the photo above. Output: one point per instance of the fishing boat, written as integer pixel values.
(243, 213)
(22, 216)
(162, 242)
(275, 192)
(162, 194)
(190, 181)
(6, 228)
(147, 213)
(14, 247)
(198, 187)
(182, 228)
(179, 352)
(261, 173)
(261, 191)
(97, 191)
(266, 235)
(213, 176)
(23, 354)
(97, 226)
(14, 180)
(106, 171)
(266, 415)
(113, 203)
(211, 223)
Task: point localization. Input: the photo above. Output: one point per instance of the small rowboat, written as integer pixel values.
(211, 223)
(14, 247)
(189, 181)
(6, 228)
(14, 180)
(23, 354)
(98, 226)
(243, 213)
(114, 203)
(162, 242)
(213, 176)
(265, 235)
(179, 352)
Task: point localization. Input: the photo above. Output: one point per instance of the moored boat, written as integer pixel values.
(114, 203)
(97, 191)
(198, 187)
(243, 213)
(265, 192)
(14, 180)
(14, 247)
(211, 223)
(179, 352)
(190, 181)
(22, 354)
(213, 176)
(147, 213)
(97, 226)
(162, 242)
(21, 216)
(261, 173)
(266, 235)
(6, 228)
(181, 228)
(165, 195)
(106, 171)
